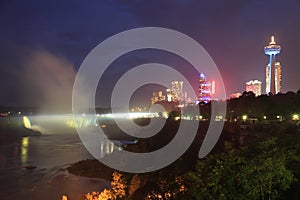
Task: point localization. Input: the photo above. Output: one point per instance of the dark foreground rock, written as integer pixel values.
(91, 168)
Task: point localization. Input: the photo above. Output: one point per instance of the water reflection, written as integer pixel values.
(107, 148)
(20, 153)
(24, 149)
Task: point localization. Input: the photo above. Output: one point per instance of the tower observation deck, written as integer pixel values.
(271, 50)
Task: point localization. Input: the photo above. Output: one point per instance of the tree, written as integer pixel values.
(215, 177)
(242, 173)
(267, 172)
(117, 190)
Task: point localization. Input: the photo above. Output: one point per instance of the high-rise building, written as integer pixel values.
(273, 77)
(157, 96)
(169, 95)
(277, 77)
(206, 89)
(176, 90)
(254, 86)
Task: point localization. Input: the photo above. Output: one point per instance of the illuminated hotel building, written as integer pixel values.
(254, 86)
(273, 69)
(277, 77)
(206, 89)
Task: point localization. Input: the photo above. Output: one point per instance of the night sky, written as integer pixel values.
(43, 43)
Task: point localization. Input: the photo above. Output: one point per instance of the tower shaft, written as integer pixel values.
(272, 74)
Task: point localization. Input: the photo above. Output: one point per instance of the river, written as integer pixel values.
(34, 167)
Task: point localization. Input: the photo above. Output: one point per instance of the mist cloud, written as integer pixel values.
(46, 81)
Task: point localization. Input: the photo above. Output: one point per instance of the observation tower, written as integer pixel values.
(273, 80)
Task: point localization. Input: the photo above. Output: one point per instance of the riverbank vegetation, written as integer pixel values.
(255, 158)
(266, 166)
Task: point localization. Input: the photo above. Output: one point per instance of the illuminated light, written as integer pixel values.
(165, 114)
(265, 117)
(295, 117)
(112, 147)
(244, 117)
(102, 150)
(272, 40)
(103, 126)
(25, 141)
(277, 116)
(24, 149)
(177, 118)
(213, 87)
(71, 123)
(26, 122)
(219, 118)
(200, 117)
(107, 149)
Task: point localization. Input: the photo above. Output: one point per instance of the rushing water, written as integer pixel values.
(34, 167)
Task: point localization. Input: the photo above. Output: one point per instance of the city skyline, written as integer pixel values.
(43, 43)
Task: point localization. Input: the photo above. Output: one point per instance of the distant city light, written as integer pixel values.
(177, 118)
(295, 117)
(219, 118)
(235, 95)
(244, 117)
